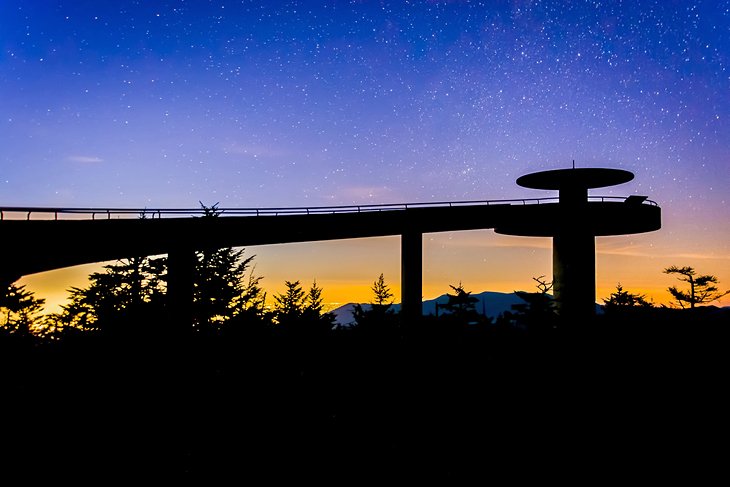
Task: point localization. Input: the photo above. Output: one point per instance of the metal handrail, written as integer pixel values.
(156, 213)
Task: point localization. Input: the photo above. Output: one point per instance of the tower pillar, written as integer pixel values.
(574, 228)
(411, 275)
(574, 275)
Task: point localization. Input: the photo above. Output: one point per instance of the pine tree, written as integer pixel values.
(622, 299)
(702, 289)
(128, 292)
(251, 301)
(19, 309)
(461, 306)
(381, 293)
(313, 314)
(300, 313)
(289, 305)
(313, 303)
(225, 289)
(379, 314)
(218, 286)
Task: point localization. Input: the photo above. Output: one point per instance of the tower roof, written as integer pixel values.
(586, 178)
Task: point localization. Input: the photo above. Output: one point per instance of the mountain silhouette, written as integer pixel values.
(490, 303)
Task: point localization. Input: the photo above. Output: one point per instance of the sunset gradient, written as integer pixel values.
(272, 104)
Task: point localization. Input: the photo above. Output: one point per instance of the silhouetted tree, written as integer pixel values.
(301, 313)
(381, 293)
(123, 293)
(19, 309)
(52, 327)
(379, 313)
(224, 286)
(313, 303)
(702, 289)
(127, 293)
(461, 306)
(624, 299)
(289, 305)
(542, 285)
(251, 301)
(314, 315)
(538, 311)
(219, 287)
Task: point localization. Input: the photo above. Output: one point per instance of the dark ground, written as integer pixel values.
(636, 397)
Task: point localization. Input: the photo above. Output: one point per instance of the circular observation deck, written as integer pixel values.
(582, 178)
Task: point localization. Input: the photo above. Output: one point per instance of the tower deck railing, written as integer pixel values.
(57, 213)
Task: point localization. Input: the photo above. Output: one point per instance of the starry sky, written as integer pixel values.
(269, 104)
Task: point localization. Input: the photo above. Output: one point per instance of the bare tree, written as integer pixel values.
(538, 309)
(542, 284)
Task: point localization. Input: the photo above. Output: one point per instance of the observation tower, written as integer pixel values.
(574, 222)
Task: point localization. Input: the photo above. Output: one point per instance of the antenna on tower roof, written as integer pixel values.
(573, 163)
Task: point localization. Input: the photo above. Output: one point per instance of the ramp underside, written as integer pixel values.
(28, 247)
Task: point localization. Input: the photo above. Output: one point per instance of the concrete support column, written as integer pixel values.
(411, 275)
(574, 275)
(180, 271)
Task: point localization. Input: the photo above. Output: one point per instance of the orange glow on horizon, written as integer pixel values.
(480, 260)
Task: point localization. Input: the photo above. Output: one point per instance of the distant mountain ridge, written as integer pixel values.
(489, 303)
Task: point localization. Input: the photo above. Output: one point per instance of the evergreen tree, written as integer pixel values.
(289, 305)
(251, 301)
(381, 293)
(379, 314)
(313, 303)
(313, 314)
(218, 286)
(301, 313)
(225, 289)
(461, 306)
(126, 293)
(133, 291)
(702, 289)
(622, 299)
(19, 310)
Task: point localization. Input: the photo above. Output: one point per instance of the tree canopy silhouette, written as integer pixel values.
(624, 299)
(132, 292)
(124, 291)
(538, 310)
(302, 313)
(461, 303)
(224, 286)
(702, 288)
(19, 309)
(379, 312)
(221, 288)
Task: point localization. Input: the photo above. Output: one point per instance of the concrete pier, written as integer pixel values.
(411, 274)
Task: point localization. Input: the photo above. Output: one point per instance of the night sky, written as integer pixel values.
(270, 104)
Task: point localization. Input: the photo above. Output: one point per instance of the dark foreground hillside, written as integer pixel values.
(640, 394)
